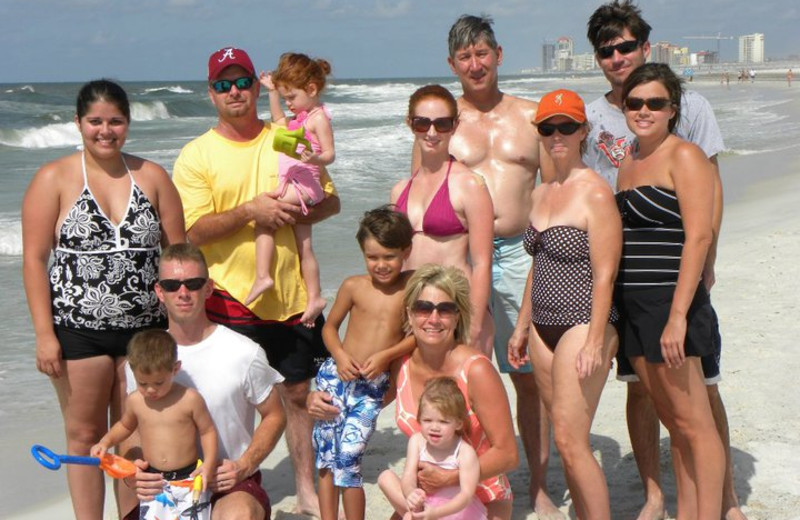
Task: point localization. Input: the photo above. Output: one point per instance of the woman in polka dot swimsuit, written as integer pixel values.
(575, 238)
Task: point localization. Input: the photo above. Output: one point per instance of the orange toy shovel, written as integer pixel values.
(114, 465)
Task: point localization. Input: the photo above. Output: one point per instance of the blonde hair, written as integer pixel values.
(451, 281)
(443, 395)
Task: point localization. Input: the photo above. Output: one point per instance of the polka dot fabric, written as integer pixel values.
(561, 292)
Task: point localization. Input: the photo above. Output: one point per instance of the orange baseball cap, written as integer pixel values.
(561, 102)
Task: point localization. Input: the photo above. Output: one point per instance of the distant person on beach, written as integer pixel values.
(300, 81)
(169, 418)
(447, 205)
(497, 139)
(575, 239)
(227, 178)
(437, 315)
(619, 36)
(789, 77)
(231, 373)
(104, 215)
(356, 375)
(666, 200)
(441, 442)
(752, 74)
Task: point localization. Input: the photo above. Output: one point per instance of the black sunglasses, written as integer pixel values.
(441, 124)
(653, 103)
(548, 129)
(222, 86)
(625, 47)
(424, 309)
(172, 285)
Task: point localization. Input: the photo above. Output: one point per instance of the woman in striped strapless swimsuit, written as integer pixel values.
(666, 199)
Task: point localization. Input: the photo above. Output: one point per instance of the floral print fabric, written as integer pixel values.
(102, 276)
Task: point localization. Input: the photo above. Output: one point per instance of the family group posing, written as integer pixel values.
(611, 255)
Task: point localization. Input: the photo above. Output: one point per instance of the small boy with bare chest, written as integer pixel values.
(169, 417)
(356, 375)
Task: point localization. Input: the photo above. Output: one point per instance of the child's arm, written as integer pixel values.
(468, 474)
(121, 430)
(208, 437)
(346, 366)
(378, 362)
(320, 126)
(415, 497)
(275, 109)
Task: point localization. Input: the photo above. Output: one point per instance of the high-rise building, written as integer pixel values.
(548, 56)
(751, 48)
(564, 51)
(584, 61)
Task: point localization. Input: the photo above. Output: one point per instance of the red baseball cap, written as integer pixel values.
(226, 57)
(561, 102)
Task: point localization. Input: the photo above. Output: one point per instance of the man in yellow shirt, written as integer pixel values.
(224, 177)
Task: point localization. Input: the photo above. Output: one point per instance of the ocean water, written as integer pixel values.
(373, 149)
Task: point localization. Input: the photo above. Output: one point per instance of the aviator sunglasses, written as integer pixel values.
(548, 129)
(441, 124)
(625, 47)
(424, 309)
(654, 103)
(222, 86)
(172, 285)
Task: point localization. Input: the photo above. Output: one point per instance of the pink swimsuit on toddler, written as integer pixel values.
(302, 176)
(475, 510)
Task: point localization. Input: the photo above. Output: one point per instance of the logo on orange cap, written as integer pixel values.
(561, 102)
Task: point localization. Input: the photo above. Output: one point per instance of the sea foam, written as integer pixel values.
(10, 235)
(57, 135)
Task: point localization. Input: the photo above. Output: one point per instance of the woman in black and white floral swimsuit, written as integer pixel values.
(105, 215)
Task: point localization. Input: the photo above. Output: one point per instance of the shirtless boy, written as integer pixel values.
(496, 138)
(168, 418)
(356, 376)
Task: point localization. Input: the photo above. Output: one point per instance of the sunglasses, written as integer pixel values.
(625, 47)
(192, 284)
(424, 309)
(653, 103)
(548, 129)
(222, 86)
(441, 124)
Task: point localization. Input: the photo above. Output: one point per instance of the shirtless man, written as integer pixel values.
(496, 138)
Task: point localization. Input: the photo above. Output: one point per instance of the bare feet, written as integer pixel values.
(652, 510)
(259, 286)
(307, 511)
(734, 513)
(544, 508)
(314, 308)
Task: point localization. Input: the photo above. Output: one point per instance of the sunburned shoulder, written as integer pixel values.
(141, 165)
(687, 151)
(61, 168)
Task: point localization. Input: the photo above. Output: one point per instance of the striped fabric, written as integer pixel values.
(652, 237)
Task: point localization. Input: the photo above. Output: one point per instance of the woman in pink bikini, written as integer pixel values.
(437, 301)
(448, 205)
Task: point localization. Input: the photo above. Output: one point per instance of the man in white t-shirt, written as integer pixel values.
(231, 372)
(620, 38)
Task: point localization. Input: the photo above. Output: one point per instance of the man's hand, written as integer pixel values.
(271, 213)
(147, 485)
(229, 473)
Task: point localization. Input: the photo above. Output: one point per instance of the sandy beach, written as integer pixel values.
(756, 297)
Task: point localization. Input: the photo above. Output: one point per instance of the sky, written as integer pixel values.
(78, 40)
